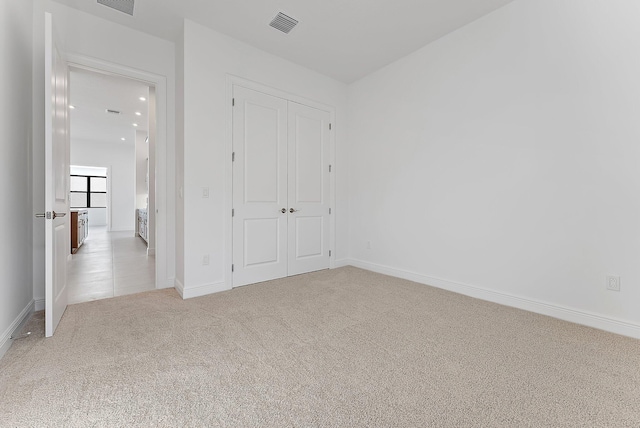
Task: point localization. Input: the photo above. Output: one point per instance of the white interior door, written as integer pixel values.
(57, 235)
(308, 189)
(259, 187)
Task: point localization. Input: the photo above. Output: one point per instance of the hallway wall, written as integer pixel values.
(15, 166)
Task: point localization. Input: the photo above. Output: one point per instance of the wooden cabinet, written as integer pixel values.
(143, 230)
(79, 228)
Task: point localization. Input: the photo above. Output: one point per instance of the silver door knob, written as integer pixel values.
(293, 210)
(41, 215)
(284, 210)
(55, 214)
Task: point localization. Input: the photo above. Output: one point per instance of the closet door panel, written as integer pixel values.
(259, 187)
(308, 189)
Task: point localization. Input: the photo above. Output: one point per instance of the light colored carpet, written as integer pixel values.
(337, 348)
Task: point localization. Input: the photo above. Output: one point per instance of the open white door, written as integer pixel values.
(57, 236)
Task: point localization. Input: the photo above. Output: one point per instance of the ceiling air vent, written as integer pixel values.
(125, 6)
(113, 111)
(283, 23)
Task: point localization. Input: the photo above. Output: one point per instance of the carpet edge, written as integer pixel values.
(564, 313)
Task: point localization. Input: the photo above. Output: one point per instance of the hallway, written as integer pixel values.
(110, 264)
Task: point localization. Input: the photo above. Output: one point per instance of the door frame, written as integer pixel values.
(231, 81)
(160, 83)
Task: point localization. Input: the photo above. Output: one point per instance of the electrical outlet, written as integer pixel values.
(205, 259)
(205, 192)
(613, 283)
(368, 245)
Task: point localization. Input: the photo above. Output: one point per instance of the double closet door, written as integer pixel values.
(280, 187)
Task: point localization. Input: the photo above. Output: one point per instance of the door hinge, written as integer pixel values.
(329, 253)
(233, 212)
(329, 210)
(329, 168)
(233, 102)
(233, 156)
(329, 127)
(232, 268)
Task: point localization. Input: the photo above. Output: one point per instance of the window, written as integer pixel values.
(88, 191)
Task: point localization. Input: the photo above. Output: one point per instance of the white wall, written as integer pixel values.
(506, 156)
(209, 57)
(179, 161)
(89, 36)
(87, 170)
(119, 159)
(15, 165)
(153, 184)
(142, 154)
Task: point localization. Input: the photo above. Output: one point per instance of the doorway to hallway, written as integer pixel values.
(112, 185)
(110, 264)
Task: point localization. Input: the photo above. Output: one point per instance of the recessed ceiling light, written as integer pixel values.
(138, 113)
(135, 124)
(142, 99)
(72, 107)
(123, 139)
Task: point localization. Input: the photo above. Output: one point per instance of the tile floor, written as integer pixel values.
(110, 264)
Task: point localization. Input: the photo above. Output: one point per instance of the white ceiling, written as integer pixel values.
(92, 94)
(344, 39)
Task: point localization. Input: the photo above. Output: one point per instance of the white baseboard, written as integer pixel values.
(590, 319)
(340, 263)
(201, 290)
(5, 339)
(39, 305)
(179, 287)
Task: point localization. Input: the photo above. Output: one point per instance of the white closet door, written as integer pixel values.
(308, 189)
(259, 187)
